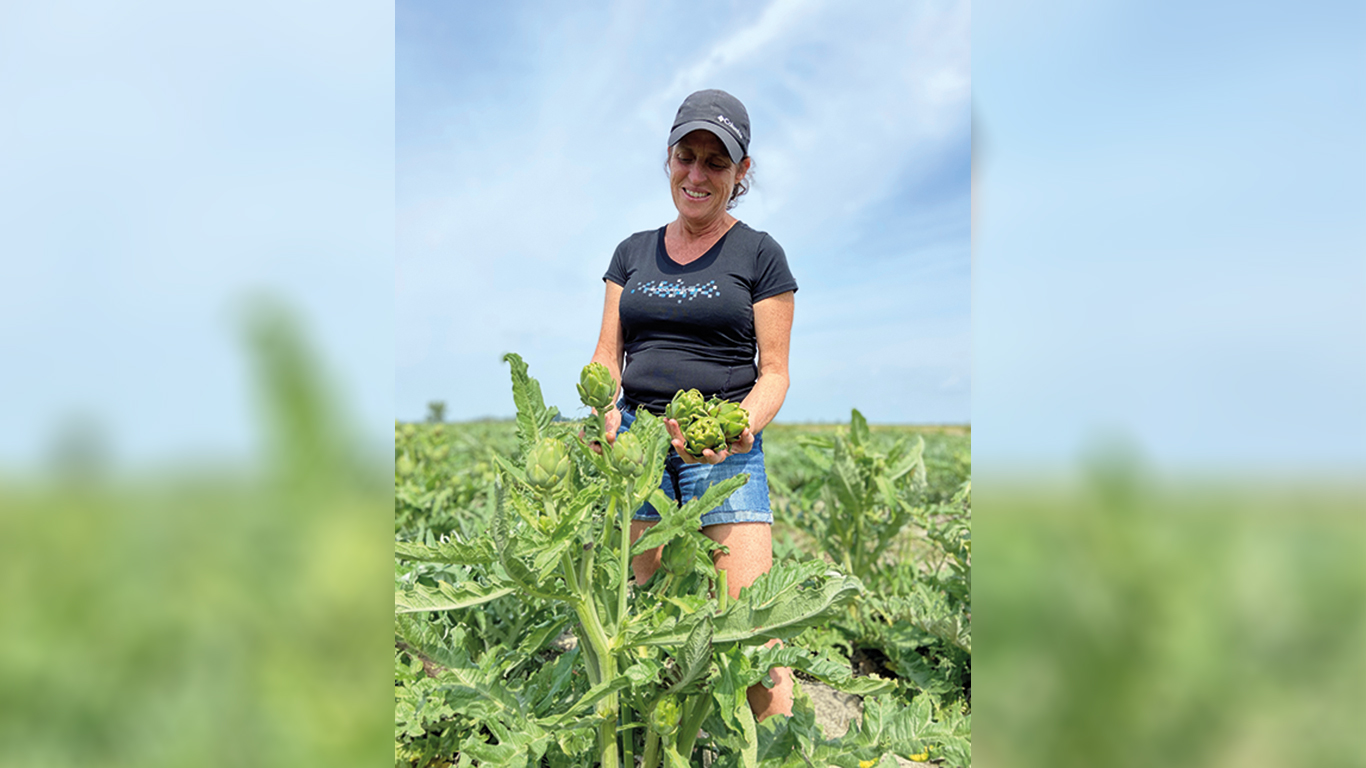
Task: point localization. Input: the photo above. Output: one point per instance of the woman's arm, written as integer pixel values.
(611, 342)
(773, 335)
(773, 332)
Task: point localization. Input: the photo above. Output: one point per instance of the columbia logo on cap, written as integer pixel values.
(726, 122)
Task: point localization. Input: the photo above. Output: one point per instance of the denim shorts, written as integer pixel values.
(748, 504)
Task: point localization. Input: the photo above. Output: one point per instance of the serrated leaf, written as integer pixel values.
(445, 596)
(679, 520)
(829, 670)
(470, 694)
(781, 582)
(428, 641)
(532, 415)
(694, 656)
(451, 551)
(784, 619)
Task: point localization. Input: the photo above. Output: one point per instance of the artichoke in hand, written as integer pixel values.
(733, 420)
(686, 406)
(706, 423)
(704, 433)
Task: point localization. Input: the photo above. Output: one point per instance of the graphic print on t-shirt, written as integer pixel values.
(677, 290)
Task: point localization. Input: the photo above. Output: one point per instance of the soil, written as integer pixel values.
(835, 710)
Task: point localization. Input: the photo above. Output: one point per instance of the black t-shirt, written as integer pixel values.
(691, 326)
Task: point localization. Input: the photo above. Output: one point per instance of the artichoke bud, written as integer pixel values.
(596, 386)
(547, 464)
(704, 433)
(686, 406)
(733, 420)
(713, 405)
(667, 716)
(678, 555)
(628, 454)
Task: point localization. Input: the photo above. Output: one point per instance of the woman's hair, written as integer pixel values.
(737, 191)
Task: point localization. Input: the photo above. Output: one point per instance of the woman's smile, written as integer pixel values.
(702, 176)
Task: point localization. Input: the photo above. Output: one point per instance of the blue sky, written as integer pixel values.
(1170, 238)
(1168, 223)
(530, 140)
(161, 164)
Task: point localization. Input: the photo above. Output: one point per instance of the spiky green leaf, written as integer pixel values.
(693, 657)
(452, 551)
(446, 596)
(533, 418)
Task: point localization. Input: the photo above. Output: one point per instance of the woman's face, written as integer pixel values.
(701, 176)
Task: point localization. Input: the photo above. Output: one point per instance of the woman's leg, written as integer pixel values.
(646, 563)
(751, 554)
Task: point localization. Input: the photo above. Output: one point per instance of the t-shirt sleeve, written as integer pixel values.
(772, 276)
(617, 270)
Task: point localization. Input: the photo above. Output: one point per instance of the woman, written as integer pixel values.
(688, 307)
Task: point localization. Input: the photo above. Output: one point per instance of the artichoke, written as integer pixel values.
(733, 420)
(678, 556)
(628, 454)
(704, 433)
(597, 387)
(686, 406)
(666, 717)
(547, 464)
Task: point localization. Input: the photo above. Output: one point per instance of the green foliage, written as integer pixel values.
(213, 613)
(869, 506)
(556, 549)
(491, 584)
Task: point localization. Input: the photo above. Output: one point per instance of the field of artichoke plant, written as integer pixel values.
(521, 639)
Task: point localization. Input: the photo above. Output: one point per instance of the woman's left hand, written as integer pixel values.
(742, 445)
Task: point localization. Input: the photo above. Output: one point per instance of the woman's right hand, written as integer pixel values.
(612, 422)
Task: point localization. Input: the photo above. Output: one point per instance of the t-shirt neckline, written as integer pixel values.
(668, 265)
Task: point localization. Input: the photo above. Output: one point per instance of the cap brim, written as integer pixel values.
(737, 153)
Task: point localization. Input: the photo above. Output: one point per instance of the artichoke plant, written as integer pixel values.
(704, 433)
(628, 454)
(597, 387)
(678, 555)
(547, 464)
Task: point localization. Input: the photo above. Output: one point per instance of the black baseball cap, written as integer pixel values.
(718, 112)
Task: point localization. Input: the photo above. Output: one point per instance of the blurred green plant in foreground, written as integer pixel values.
(224, 616)
(1129, 621)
